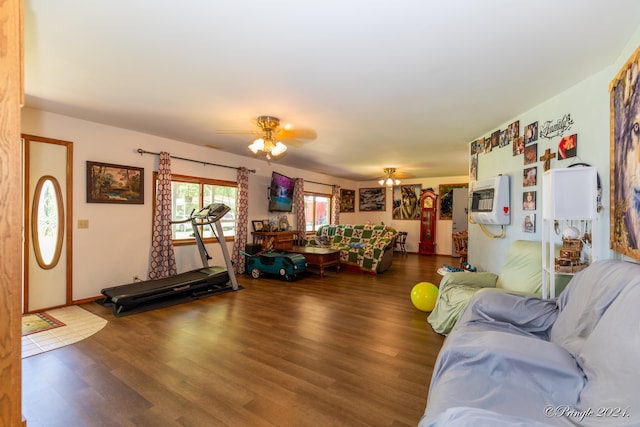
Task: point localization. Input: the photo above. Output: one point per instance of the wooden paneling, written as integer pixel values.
(10, 206)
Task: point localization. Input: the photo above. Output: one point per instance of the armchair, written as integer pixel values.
(521, 273)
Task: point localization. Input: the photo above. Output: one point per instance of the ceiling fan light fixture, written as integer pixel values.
(267, 145)
(390, 180)
(257, 145)
(278, 149)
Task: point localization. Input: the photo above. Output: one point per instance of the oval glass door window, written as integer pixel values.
(47, 222)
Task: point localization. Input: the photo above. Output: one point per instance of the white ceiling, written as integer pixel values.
(404, 83)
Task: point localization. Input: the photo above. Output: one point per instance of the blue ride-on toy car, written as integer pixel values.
(283, 264)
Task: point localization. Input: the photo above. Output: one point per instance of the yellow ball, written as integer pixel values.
(424, 295)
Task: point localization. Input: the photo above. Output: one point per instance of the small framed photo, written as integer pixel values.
(473, 168)
(257, 225)
(109, 183)
(530, 176)
(568, 147)
(529, 201)
(530, 154)
(518, 145)
(513, 131)
(529, 223)
(495, 139)
(531, 133)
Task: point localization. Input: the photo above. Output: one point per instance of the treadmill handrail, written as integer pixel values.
(212, 213)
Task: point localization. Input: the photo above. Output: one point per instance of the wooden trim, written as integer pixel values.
(11, 206)
(68, 208)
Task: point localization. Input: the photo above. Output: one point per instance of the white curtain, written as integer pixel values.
(242, 218)
(163, 260)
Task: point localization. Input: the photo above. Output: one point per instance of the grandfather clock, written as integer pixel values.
(428, 206)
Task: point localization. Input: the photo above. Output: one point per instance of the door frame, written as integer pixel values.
(27, 244)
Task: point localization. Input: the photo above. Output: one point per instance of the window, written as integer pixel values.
(191, 193)
(317, 210)
(47, 222)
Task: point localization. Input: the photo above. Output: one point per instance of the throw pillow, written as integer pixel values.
(322, 240)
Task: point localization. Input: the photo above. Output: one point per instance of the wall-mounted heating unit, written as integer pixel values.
(489, 201)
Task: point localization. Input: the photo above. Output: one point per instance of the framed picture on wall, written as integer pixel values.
(446, 199)
(518, 145)
(513, 131)
(406, 201)
(530, 154)
(625, 151)
(109, 183)
(568, 147)
(530, 176)
(529, 201)
(473, 168)
(529, 223)
(347, 200)
(372, 199)
(531, 133)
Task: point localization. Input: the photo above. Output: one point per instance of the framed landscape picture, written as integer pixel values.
(109, 183)
(372, 199)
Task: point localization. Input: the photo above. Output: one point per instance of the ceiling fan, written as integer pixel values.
(271, 136)
(392, 177)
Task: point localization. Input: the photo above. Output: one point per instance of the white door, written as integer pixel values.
(47, 223)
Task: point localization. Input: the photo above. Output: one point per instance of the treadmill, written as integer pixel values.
(188, 286)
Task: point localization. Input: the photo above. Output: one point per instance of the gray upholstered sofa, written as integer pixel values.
(517, 360)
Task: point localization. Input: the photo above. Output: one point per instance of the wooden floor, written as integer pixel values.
(346, 350)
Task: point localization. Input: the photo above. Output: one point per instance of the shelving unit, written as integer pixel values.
(569, 200)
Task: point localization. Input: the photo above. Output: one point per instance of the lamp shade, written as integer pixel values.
(570, 193)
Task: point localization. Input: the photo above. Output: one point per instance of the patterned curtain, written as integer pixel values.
(335, 205)
(242, 218)
(163, 259)
(298, 203)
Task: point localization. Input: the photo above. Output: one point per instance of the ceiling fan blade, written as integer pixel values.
(286, 134)
(403, 175)
(239, 132)
(293, 142)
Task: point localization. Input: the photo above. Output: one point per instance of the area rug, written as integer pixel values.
(38, 322)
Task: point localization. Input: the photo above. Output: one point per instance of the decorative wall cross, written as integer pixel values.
(548, 155)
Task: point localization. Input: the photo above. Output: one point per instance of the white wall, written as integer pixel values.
(588, 105)
(116, 246)
(412, 227)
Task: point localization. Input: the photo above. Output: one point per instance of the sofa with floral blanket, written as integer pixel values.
(367, 246)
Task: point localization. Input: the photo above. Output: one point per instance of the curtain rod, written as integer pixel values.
(320, 183)
(141, 151)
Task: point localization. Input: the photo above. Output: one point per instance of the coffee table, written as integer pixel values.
(319, 257)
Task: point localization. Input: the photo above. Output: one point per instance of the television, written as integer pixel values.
(281, 193)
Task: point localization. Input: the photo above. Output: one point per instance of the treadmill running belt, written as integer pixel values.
(167, 291)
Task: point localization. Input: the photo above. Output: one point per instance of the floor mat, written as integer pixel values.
(77, 324)
(38, 322)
